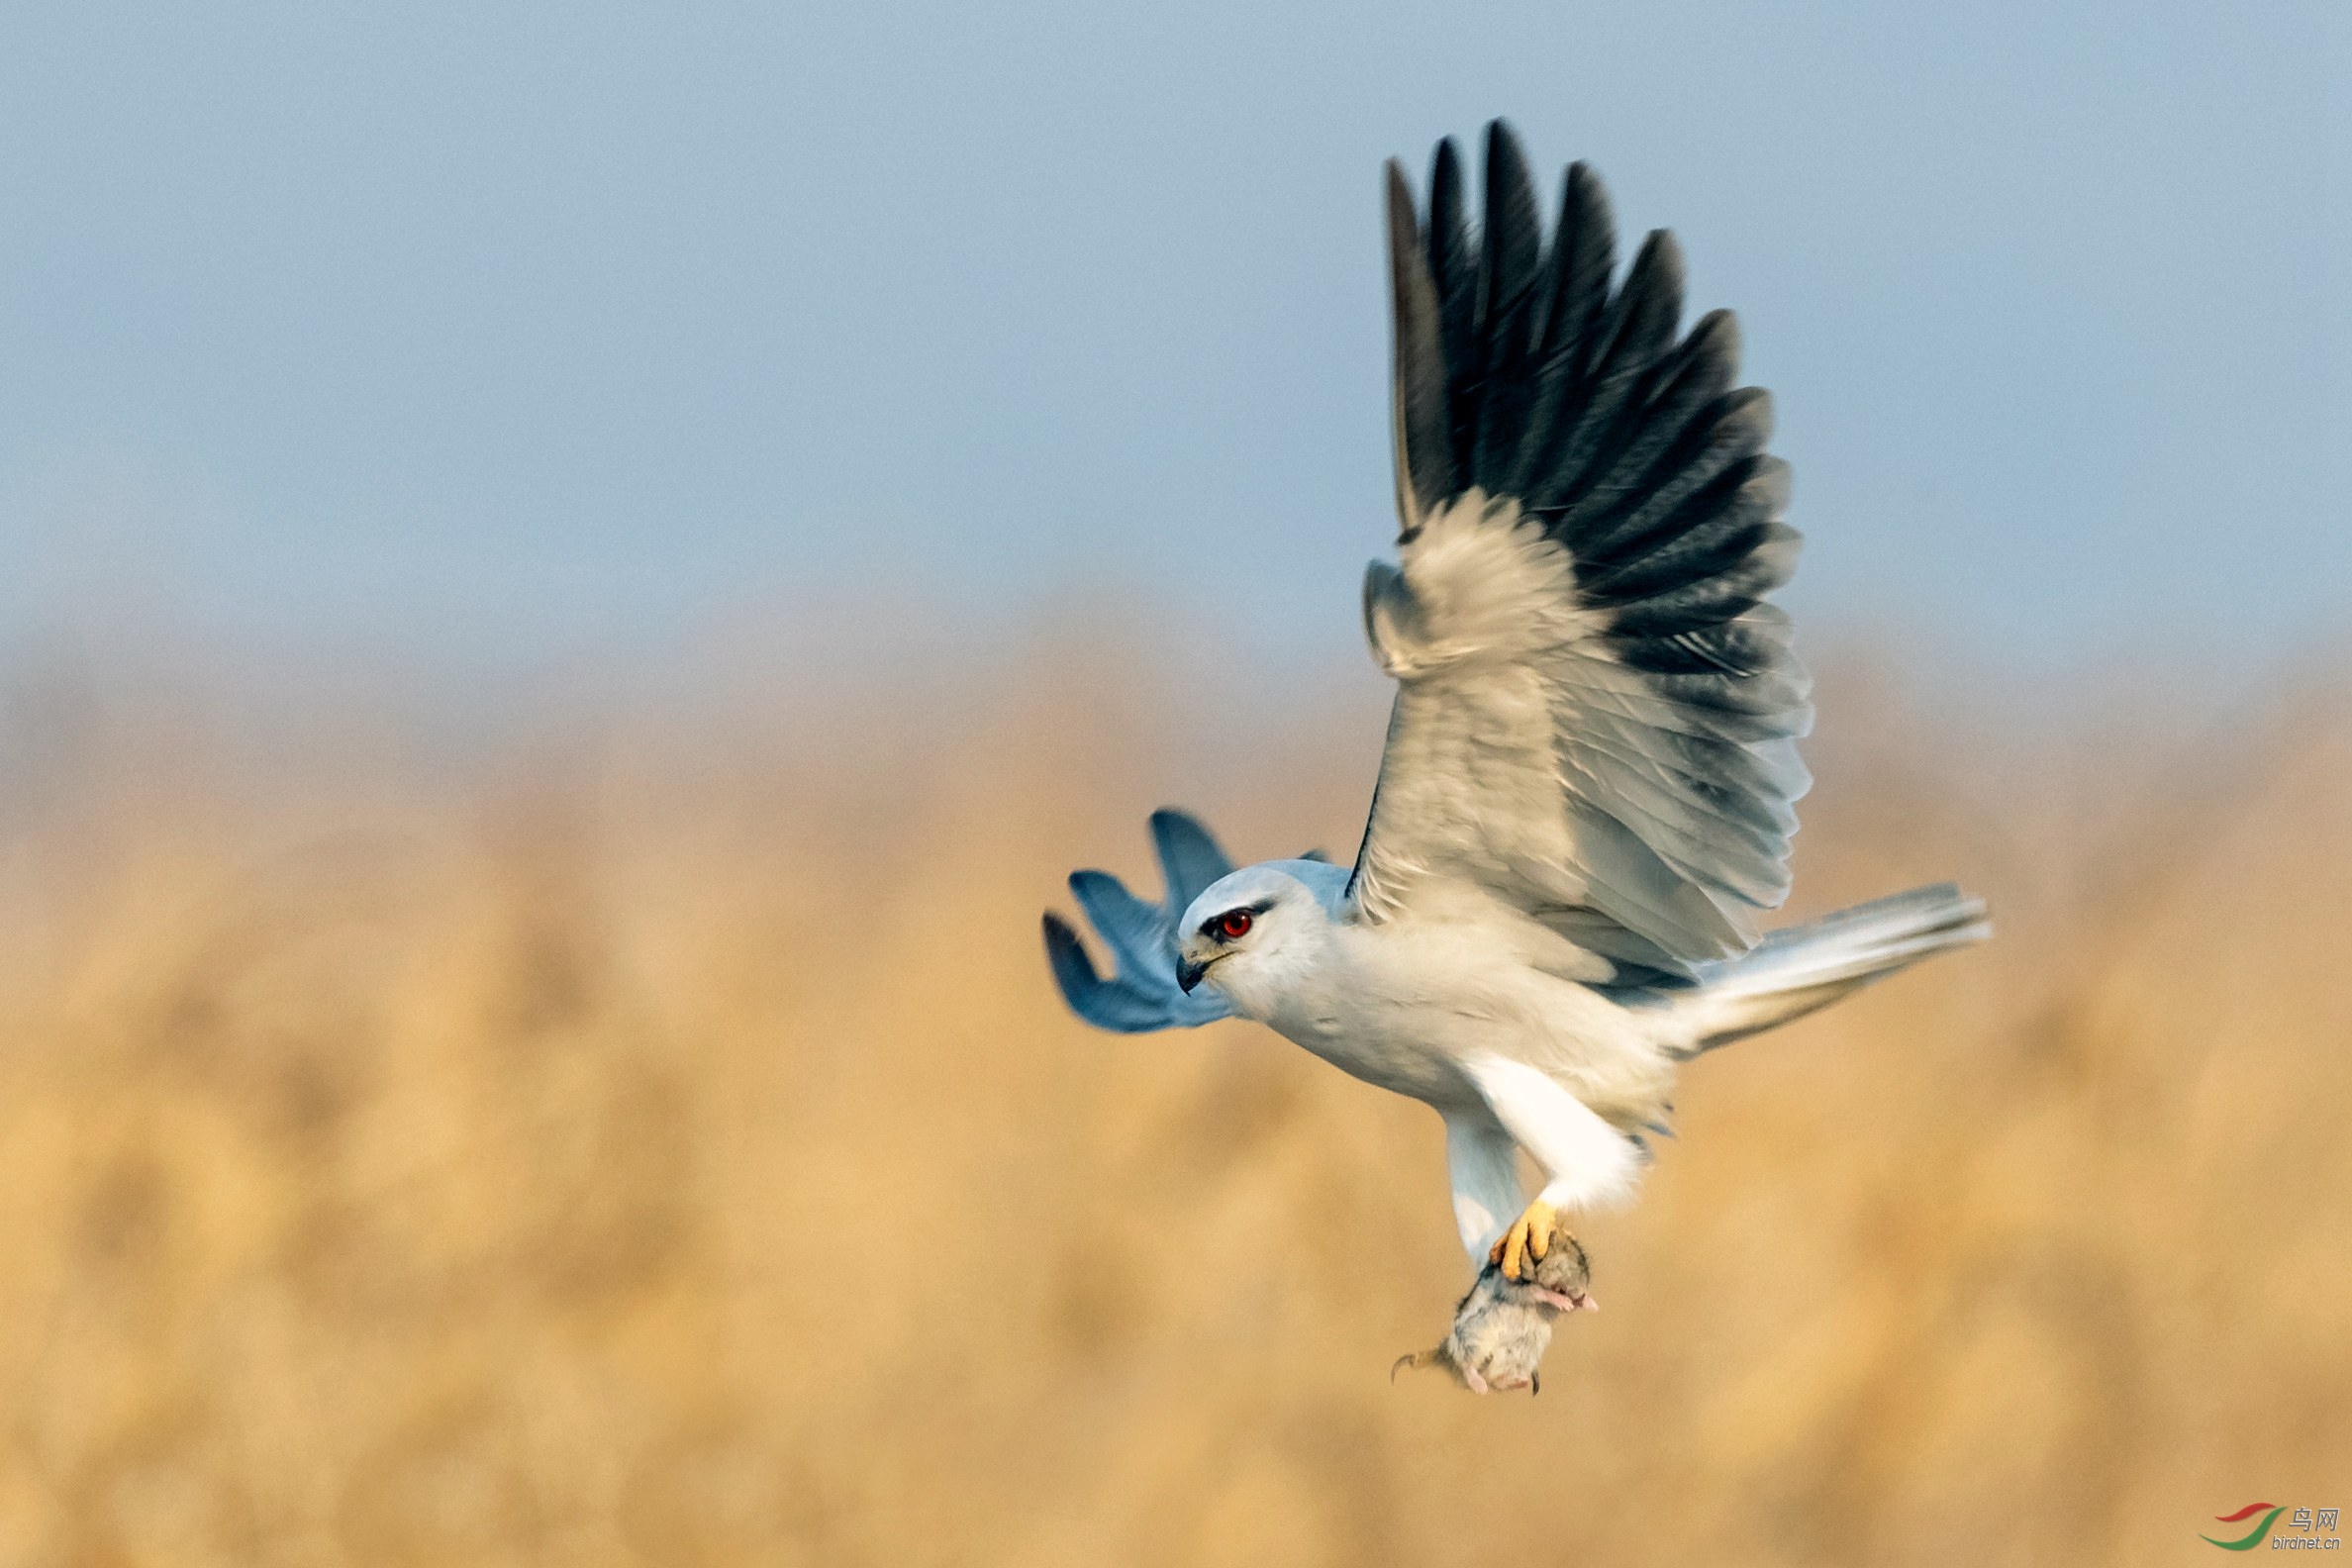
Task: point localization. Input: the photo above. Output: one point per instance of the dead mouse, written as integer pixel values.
(1504, 1325)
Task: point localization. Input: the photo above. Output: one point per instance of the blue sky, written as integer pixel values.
(491, 337)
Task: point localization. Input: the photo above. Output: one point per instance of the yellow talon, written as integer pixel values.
(1529, 1233)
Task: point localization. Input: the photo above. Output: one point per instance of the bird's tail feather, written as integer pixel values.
(1794, 971)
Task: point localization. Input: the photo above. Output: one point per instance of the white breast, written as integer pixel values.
(1403, 1004)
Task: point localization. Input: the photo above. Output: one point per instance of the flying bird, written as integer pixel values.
(1588, 790)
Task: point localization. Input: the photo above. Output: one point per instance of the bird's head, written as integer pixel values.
(1245, 933)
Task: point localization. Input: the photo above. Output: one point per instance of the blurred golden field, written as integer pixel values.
(661, 1144)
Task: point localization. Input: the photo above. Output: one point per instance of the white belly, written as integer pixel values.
(1401, 1005)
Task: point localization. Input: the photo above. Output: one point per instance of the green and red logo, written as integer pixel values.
(2253, 1538)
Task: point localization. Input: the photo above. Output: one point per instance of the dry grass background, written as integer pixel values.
(667, 1148)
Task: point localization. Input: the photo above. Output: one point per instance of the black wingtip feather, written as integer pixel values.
(1512, 259)
(1453, 271)
(1513, 239)
(1583, 258)
(1423, 431)
(1649, 306)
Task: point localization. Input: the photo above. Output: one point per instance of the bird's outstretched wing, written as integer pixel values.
(1143, 993)
(1597, 714)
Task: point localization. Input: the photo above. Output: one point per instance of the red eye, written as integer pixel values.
(1233, 925)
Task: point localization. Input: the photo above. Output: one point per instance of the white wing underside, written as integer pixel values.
(1526, 764)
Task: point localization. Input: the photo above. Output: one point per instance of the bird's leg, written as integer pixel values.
(1521, 1246)
(1482, 1166)
(1585, 1160)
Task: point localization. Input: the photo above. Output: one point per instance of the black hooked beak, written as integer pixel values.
(1188, 974)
